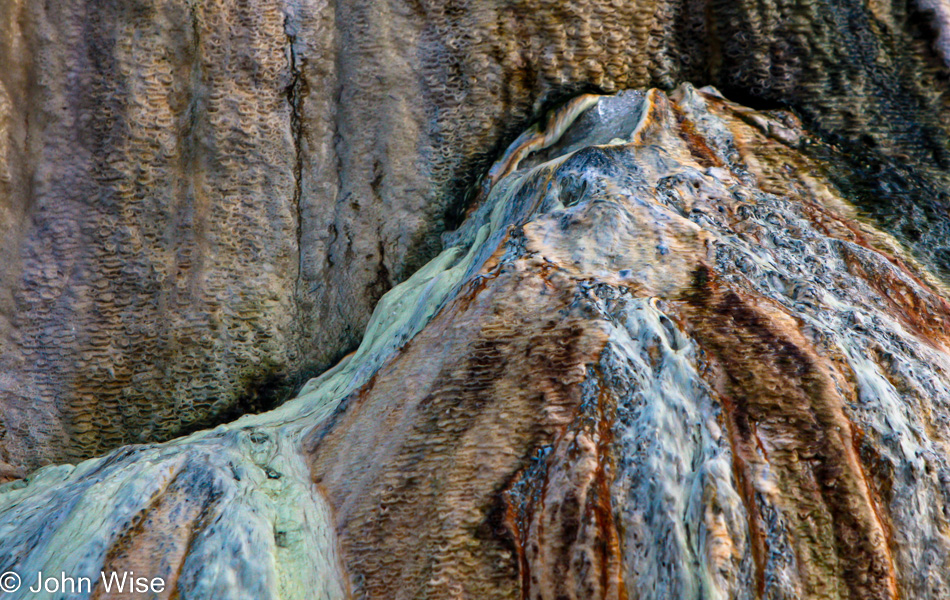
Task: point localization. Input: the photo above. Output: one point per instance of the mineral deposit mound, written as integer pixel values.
(475, 299)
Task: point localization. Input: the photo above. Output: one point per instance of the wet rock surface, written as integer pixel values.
(664, 356)
(202, 202)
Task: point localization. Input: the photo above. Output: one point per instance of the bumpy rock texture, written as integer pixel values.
(665, 356)
(203, 201)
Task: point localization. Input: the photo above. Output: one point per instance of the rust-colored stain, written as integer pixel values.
(696, 143)
(566, 530)
(781, 393)
(415, 485)
(158, 539)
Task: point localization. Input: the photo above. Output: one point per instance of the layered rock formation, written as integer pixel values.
(203, 201)
(664, 356)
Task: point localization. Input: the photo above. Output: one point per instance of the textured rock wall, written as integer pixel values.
(152, 254)
(203, 201)
(663, 357)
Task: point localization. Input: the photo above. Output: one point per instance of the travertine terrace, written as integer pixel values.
(203, 200)
(664, 356)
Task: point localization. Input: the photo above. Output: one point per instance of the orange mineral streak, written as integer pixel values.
(568, 533)
(919, 309)
(769, 146)
(158, 539)
(781, 393)
(415, 483)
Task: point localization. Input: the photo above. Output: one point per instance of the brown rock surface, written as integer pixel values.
(202, 201)
(663, 357)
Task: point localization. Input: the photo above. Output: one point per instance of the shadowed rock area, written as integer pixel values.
(201, 202)
(664, 356)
